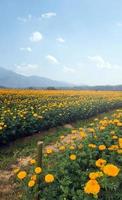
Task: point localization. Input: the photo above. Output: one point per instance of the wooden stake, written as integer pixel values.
(39, 153)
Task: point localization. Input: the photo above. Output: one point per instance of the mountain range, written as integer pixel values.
(12, 79)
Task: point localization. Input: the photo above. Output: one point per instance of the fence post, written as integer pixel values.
(39, 163)
(39, 153)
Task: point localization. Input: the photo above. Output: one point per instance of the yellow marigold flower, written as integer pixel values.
(21, 175)
(33, 177)
(92, 146)
(101, 147)
(72, 157)
(71, 147)
(74, 131)
(102, 128)
(94, 175)
(49, 151)
(92, 187)
(116, 121)
(83, 134)
(33, 161)
(120, 142)
(115, 137)
(119, 124)
(38, 170)
(100, 163)
(49, 178)
(113, 147)
(62, 148)
(91, 130)
(119, 151)
(31, 183)
(111, 170)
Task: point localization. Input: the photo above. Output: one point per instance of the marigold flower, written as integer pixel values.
(83, 134)
(114, 137)
(72, 157)
(71, 147)
(111, 170)
(33, 161)
(49, 178)
(38, 170)
(100, 162)
(102, 128)
(120, 142)
(92, 187)
(102, 147)
(21, 175)
(62, 148)
(49, 151)
(92, 146)
(31, 183)
(94, 175)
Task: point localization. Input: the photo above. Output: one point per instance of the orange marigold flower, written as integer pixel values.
(31, 183)
(94, 175)
(33, 161)
(92, 187)
(102, 147)
(21, 175)
(111, 170)
(38, 170)
(100, 162)
(49, 178)
(49, 151)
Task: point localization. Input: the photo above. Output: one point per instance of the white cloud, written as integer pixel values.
(48, 15)
(28, 49)
(69, 69)
(24, 19)
(52, 59)
(36, 37)
(101, 63)
(60, 39)
(28, 69)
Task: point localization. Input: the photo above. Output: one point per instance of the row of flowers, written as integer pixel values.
(87, 166)
(24, 112)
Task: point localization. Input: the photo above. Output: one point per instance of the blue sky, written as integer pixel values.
(78, 41)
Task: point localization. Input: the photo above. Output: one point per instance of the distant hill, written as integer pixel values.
(100, 87)
(11, 79)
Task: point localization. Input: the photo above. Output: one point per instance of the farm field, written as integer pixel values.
(24, 112)
(82, 152)
(73, 157)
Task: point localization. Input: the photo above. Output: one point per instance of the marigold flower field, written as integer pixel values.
(86, 167)
(23, 112)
